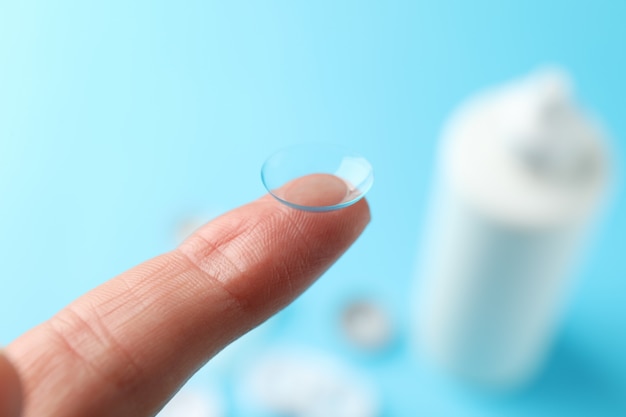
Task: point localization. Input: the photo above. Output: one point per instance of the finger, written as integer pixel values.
(122, 349)
(10, 389)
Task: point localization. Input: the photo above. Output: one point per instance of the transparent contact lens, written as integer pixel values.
(317, 177)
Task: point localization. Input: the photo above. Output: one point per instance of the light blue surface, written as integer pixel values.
(118, 119)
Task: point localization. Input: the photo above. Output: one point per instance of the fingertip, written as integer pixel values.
(362, 210)
(351, 220)
(10, 389)
(319, 193)
(266, 253)
(316, 190)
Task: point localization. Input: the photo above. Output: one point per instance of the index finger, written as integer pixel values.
(125, 347)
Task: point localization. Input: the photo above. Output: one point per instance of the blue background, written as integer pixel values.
(118, 119)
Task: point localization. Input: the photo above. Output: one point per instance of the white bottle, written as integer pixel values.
(521, 172)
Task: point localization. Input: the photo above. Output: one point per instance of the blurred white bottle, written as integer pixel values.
(521, 172)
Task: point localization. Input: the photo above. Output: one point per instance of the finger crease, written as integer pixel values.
(238, 302)
(72, 329)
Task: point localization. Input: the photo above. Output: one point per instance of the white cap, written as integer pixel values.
(525, 153)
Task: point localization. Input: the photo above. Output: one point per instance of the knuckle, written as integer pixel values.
(92, 346)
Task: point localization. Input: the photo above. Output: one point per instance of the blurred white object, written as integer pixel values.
(193, 403)
(522, 170)
(310, 385)
(188, 224)
(367, 325)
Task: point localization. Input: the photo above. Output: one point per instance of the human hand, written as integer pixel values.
(124, 348)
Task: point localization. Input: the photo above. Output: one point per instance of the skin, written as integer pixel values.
(127, 346)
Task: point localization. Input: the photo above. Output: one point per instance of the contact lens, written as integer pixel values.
(317, 177)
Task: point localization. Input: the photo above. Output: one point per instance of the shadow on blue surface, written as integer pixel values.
(577, 381)
(574, 383)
